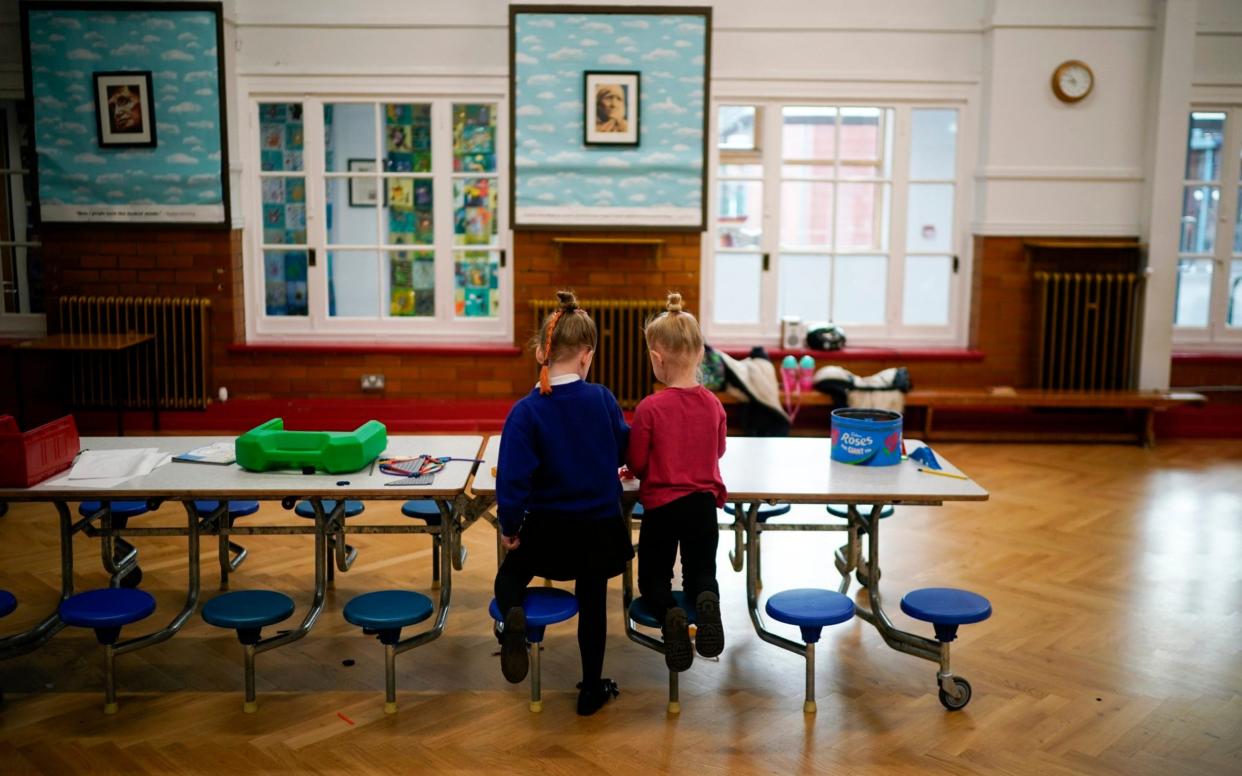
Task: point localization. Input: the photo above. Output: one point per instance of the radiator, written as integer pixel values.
(1088, 329)
(621, 363)
(178, 360)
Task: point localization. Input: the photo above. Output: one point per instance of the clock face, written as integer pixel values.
(1072, 81)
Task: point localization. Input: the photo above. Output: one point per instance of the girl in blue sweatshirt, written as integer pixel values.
(558, 496)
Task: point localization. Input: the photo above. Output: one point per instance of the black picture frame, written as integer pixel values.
(365, 165)
(216, 9)
(625, 128)
(124, 110)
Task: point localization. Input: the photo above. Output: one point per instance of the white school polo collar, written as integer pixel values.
(561, 380)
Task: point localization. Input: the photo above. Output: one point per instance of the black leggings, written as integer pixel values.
(690, 522)
(592, 594)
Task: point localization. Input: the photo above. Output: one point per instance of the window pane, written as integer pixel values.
(1194, 292)
(825, 171)
(351, 211)
(474, 202)
(929, 223)
(925, 294)
(411, 283)
(349, 136)
(284, 210)
(862, 135)
(284, 280)
(806, 213)
(407, 138)
(474, 138)
(353, 283)
(1207, 133)
(1237, 226)
(862, 216)
(933, 144)
(859, 288)
(737, 127)
(741, 171)
(1235, 293)
(477, 284)
(809, 133)
(408, 210)
(280, 136)
(1199, 206)
(739, 222)
(737, 287)
(805, 282)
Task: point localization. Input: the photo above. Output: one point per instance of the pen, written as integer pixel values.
(944, 474)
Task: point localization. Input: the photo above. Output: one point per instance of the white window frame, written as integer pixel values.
(317, 325)
(1217, 333)
(19, 323)
(894, 333)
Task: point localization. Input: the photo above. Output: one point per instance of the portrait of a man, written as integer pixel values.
(124, 114)
(611, 103)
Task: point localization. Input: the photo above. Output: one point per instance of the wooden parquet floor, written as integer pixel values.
(1116, 648)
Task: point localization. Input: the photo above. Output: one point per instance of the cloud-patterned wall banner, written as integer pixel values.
(180, 180)
(560, 181)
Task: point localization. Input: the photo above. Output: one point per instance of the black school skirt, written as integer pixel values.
(565, 547)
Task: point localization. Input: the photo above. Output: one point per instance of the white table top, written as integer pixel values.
(800, 470)
(198, 480)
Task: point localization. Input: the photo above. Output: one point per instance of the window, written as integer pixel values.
(848, 213)
(21, 277)
(379, 217)
(1209, 267)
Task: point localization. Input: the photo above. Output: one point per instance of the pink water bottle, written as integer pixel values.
(806, 373)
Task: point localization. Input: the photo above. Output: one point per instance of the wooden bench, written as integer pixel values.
(1146, 403)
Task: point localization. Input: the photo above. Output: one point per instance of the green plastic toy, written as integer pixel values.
(269, 446)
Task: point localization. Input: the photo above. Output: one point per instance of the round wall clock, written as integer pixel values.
(1072, 81)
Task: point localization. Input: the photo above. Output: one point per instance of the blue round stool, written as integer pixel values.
(8, 602)
(766, 511)
(383, 614)
(353, 508)
(231, 553)
(248, 612)
(429, 512)
(843, 511)
(638, 512)
(543, 606)
(106, 611)
(810, 609)
(124, 556)
(946, 608)
(641, 613)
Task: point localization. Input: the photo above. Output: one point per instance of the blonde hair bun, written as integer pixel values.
(674, 302)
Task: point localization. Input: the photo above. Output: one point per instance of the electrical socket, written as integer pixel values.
(372, 382)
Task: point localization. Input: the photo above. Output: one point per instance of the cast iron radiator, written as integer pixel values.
(178, 360)
(621, 363)
(1088, 329)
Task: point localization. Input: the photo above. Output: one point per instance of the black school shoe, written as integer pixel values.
(514, 660)
(591, 699)
(678, 653)
(709, 638)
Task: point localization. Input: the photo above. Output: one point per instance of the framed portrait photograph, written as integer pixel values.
(124, 110)
(610, 101)
(363, 192)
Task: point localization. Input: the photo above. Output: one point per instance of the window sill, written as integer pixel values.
(868, 354)
(350, 348)
(1207, 357)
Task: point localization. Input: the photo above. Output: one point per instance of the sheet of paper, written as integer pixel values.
(111, 464)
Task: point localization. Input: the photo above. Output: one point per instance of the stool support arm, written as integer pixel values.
(191, 597)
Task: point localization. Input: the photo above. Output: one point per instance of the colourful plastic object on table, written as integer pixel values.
(33, 456)
(269, 446)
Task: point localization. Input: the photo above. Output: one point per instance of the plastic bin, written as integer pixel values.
(269, 446)
(866, 437)
(33, 456)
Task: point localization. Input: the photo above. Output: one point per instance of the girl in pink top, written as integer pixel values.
(676, 442)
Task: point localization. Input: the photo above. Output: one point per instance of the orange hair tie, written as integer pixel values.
(545, 387)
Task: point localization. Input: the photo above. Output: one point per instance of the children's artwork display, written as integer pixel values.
(633, 156)
(284, 281)
(128, 104)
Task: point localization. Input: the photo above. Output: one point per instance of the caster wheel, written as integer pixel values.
(956, 704)
(288, 502)
(132, 579)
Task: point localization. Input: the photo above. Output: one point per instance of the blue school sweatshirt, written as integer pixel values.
(560, 453)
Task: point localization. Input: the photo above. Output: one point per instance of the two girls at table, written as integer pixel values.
(559, 498)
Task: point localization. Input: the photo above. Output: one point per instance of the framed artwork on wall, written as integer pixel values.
(609, 116)
(124, 113)
(611, 101)
(363, 192)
